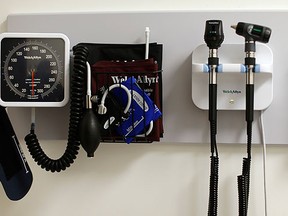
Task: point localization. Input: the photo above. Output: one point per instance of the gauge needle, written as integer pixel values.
(32, 80)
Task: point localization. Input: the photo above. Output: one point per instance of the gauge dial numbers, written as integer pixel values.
(34, 70)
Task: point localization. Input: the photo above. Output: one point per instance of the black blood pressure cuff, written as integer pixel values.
(15, 174)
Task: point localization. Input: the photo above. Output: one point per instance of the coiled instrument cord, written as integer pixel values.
(213, 188)
(76, 112)
(244, 179)
(214, 159)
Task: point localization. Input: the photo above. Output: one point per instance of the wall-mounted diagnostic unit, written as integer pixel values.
(231, 76)
(35, 73)
(184, 65)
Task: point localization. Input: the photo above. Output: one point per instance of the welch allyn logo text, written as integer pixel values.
(230, 91)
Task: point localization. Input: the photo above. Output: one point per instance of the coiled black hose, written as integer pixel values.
(213, 188)
(76, 112)
(244, 179)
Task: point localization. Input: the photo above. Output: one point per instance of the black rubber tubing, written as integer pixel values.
(76, 112)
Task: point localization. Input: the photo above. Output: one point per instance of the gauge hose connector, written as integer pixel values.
(76, 113)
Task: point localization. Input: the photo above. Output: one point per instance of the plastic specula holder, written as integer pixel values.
(231, 77)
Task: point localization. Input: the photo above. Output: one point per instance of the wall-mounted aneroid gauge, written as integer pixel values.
(34, 69)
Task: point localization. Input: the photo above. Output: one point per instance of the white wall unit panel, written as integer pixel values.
(181, 33)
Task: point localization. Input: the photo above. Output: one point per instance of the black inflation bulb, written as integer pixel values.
(89, 132)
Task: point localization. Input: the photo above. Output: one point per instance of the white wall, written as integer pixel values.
(155, 179)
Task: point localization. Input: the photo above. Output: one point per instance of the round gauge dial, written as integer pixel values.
(33, 71)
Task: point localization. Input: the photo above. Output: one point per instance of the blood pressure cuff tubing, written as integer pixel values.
(125, 60)
(147, 76)
(142, 111)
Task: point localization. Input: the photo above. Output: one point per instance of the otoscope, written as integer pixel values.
(213, 37)
(251, 33)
